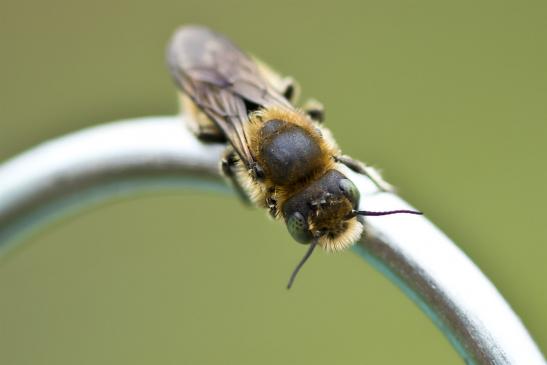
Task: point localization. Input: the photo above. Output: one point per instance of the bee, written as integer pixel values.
(278, 157)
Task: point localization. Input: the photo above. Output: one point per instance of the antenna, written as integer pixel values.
(302, 262)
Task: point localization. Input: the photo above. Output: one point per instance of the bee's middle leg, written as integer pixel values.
(229, 166)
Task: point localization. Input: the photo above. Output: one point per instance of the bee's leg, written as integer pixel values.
(286, 86)
(210, 136)
(290, 89)
(229, 166)
(315, 110)
(368, 171)
(202, 127)
(271, 202)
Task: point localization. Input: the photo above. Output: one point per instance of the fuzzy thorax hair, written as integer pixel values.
(320, 135)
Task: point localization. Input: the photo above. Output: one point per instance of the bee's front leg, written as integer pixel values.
(315, 110)
(368, 171)
(229, 167)
(271, 203)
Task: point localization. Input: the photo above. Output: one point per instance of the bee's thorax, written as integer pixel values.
(288, 153)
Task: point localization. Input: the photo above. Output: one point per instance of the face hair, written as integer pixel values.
(302, 262)
(353, 214)
(375, 214)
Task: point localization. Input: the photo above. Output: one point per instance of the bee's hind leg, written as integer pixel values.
(209, 135)
(229, 167)
(368, 171)
(201, 125)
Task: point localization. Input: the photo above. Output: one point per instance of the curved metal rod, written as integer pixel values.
(157, 153)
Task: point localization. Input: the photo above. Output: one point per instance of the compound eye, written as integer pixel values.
(350, 191)
(298, 228)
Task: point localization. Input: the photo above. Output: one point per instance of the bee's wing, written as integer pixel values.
(221, 80)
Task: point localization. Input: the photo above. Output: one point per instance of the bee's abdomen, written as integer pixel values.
(288, 152)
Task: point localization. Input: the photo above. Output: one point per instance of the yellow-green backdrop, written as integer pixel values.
(448, 97)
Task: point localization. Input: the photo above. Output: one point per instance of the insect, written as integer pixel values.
(278, 157)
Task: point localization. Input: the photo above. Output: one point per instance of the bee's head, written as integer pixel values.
(326, 213)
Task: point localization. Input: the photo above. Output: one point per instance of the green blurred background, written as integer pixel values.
(449, 98)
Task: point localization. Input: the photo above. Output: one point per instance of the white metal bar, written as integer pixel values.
(158, 152)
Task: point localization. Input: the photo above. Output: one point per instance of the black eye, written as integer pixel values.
(298, 228)
(350, 191)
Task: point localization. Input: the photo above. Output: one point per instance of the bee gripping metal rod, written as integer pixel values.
(157, 153)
